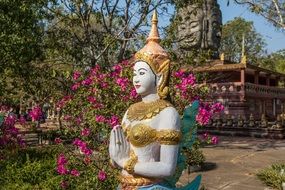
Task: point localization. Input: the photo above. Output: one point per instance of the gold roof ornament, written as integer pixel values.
(243, 59)
(156, 57)
(222, 57)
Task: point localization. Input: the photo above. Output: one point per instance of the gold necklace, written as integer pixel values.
(141, 110)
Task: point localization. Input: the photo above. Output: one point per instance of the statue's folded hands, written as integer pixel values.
(119, 147)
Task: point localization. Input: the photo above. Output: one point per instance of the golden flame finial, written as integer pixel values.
(152, 46)
(154, 35)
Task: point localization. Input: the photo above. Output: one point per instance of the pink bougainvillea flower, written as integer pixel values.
(36, 113)
(74, 172)
(94, 71)
(13, 131)
(114, 120)
(104, 85)
(76, 75)
(63, 184)
(133, 93)
(100, 119)
(214, 140)
(78, 120)
(87, 81)
(86, 151)
(22, 120)
(75, 86)
(217, 107)
(57, 140)
(62, 170)
(60, 104)
(123, 83)
(10, 120)
(82, 146)
(179, 74)
(102, 176)
(91, 99)
(61, 160)
(85, 132)
(203, 116)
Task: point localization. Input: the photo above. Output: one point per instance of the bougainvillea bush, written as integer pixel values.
(9, 134)
(96, 104)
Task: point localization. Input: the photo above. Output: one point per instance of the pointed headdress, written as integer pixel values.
(156, 57)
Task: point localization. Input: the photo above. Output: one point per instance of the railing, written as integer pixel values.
(237, 88)
(267, 91)
(229, 87)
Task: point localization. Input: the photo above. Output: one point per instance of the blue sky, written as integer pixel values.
(275, 39)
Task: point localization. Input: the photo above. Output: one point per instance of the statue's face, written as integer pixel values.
(190, 27)
(200, 27)
(214, 23)
(144, 80)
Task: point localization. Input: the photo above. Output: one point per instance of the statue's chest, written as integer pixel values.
(141, 133)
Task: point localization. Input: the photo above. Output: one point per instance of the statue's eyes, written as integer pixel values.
(142, 73)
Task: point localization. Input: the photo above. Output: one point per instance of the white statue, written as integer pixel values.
(147, 143)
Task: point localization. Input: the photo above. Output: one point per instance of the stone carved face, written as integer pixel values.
(190, 27)
(200, 27)
(144, 80)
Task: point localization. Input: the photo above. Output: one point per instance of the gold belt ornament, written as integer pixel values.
(132, 182)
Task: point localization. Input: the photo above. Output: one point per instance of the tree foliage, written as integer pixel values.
(275, 61)
(232, 40)
(272, 10)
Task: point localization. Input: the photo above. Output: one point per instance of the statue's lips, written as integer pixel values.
(137, 86)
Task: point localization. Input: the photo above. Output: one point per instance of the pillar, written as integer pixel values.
(256, 77)
(268, 79)
(242, 76)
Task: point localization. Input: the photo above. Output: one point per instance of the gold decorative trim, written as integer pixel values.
(148, 59)
(141, 111)
(133, 182)
(141, 135)
(129, 166)
(169, 137)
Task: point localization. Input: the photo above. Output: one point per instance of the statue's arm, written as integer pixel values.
(168, 153)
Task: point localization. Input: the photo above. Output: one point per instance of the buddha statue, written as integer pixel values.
(251, 120)
(146, 145)
(264, 122)
(240, 121)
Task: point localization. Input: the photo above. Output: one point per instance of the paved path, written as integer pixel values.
(235, 162)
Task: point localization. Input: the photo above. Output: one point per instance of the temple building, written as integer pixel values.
(253, 97)
(245, 89)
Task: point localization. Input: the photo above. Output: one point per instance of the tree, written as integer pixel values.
(21, 37)
(98, 32)
(272, 10)
(232, 40)
(274, 61)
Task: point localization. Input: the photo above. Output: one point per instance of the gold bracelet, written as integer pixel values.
(129, 166)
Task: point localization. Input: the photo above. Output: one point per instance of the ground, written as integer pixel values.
(232, 164)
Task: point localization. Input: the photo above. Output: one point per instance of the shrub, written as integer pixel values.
(31, 168)
(272, 176)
